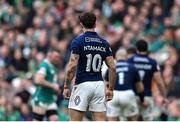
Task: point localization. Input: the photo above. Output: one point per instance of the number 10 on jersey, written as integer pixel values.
(93, 62)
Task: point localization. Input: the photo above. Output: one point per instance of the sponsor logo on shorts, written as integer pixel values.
(77, 100)
(132, 109)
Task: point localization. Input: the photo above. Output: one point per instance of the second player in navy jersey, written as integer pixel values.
(124, 102)
(149, 71)
(88, 51)
(146, 68)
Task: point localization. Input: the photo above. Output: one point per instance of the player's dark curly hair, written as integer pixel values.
(88, 19)
(142, 45)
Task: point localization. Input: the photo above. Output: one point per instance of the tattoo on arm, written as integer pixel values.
(112, 71)
(71, 69)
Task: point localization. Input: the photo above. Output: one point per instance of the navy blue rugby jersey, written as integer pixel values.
(126, 76)
(146, 67)
(92, 51)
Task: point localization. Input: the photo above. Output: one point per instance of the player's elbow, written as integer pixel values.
(157, 76)
(112, 69)
(37, 79)
(71, 67)
(139, 87)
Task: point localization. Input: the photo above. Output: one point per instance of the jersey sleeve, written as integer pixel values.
(75, 47)
(42, 70)
(108, 50)
(156, 67)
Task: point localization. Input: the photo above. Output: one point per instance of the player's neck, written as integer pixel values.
(142, 53)
(88, 30)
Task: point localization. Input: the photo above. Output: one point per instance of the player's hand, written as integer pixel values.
(66, 93)
(109, 94)
(165, 102)
(145, 104)
(160, 101)
(56, 87)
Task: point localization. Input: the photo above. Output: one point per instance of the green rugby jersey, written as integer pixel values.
(45, 94)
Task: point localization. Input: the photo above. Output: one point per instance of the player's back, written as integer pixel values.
(146, 67)
(92, 51)
(126, 76)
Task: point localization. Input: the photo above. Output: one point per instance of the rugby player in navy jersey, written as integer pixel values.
(124, 103)
(149, 72)
(88, 51)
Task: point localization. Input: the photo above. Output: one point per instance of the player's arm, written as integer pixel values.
(71, 69)
(161, 85)
(140, 90)
(112, 72)
(70, 73)
(106, 78)
(139, 86)
(40, 80)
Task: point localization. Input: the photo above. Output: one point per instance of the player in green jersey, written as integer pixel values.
(44, 99)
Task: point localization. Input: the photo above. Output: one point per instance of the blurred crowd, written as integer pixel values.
(29, 28)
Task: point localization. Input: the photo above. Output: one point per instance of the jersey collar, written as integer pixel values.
(142, 55)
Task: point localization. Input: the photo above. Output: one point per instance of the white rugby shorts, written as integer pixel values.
(147, 113)
(123, 104)
(88, 96)
(44, 107)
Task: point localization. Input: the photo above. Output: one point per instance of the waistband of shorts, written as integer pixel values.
(88, 82)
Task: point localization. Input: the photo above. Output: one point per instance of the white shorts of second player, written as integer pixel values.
(88, 95)
(44, 107)
(124, 103)
(147, 113)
